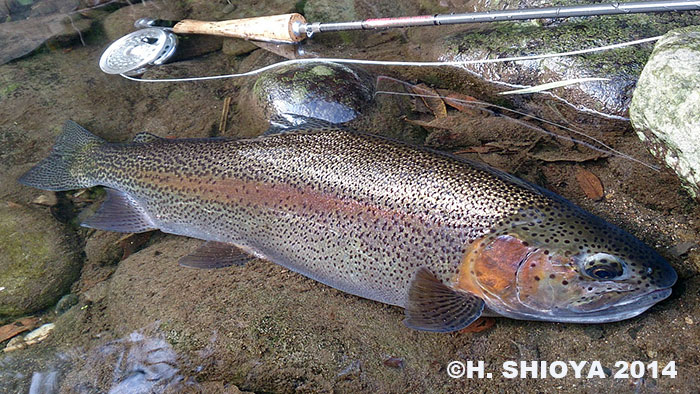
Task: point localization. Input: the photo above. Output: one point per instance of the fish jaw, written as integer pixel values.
(519, 280)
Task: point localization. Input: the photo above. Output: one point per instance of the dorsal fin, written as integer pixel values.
(120, 213)
(144, 137)
(286, 123)
(433, 306)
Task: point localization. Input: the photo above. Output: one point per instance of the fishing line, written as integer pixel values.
(399, 63)
(482, 104)
(477, 104)
(450, 63)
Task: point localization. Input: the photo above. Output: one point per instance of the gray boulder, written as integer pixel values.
(329, 91)
(665, 109)
(38, 261)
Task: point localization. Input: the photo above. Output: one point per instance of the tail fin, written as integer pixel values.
(67, 165)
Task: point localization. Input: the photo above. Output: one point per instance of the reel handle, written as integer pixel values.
(275, 28)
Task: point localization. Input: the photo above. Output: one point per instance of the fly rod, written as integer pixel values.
(156, 41)
(294, 27)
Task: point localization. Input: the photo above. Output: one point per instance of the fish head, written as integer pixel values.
(560, 263)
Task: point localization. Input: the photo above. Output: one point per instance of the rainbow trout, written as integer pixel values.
(445, 238)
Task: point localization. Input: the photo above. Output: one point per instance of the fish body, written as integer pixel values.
(443, 237)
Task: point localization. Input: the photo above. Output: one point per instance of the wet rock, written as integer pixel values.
(102, 248)
(325, 90)
(222, 10)
(665, 109)
(236, 47)
(66, 302)
(332, 11)
(74, 30)
(97, 292)
(187, 99)
(22, 37)
(38, 262)
(121, 22)
(328, 91)
(604, 98)
(47, 7)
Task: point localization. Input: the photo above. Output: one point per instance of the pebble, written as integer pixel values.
(32, 338)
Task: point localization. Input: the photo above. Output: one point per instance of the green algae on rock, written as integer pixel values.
(333, 92)
(37, 261)
(665, 108)
(622, 66)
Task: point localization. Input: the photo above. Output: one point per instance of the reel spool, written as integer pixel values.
(135, 52)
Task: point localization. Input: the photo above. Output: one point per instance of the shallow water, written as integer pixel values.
(144, 324)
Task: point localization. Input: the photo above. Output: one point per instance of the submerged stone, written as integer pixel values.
(38, 262)
(620, 66)
(65, 303)
(665, 108)
(329, 91)
(22, 37)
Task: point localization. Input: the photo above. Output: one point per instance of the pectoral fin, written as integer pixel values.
(216, 255)
(433, 306)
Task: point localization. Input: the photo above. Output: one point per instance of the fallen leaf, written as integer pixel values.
(559, 155)
(431, 99)
(461, 102)
(132, 242)
(17, 327)
(394, 362)
(479, 149)
(682, 248)
(481, 324)
(590, 184)
(48, 200)
(435, 123)
(419, 107)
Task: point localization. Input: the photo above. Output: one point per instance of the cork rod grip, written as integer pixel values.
(276, 28)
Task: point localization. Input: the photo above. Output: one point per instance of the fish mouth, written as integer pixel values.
(629, 307)
(626, 309)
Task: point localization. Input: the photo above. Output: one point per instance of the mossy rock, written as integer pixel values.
(620, 66)
(665, 108)
(329, 91)
(38, 261)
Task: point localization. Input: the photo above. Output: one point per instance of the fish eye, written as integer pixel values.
(603, 267)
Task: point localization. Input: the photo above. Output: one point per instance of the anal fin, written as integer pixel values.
(214, 254)
(433, 306)
(120, 213)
